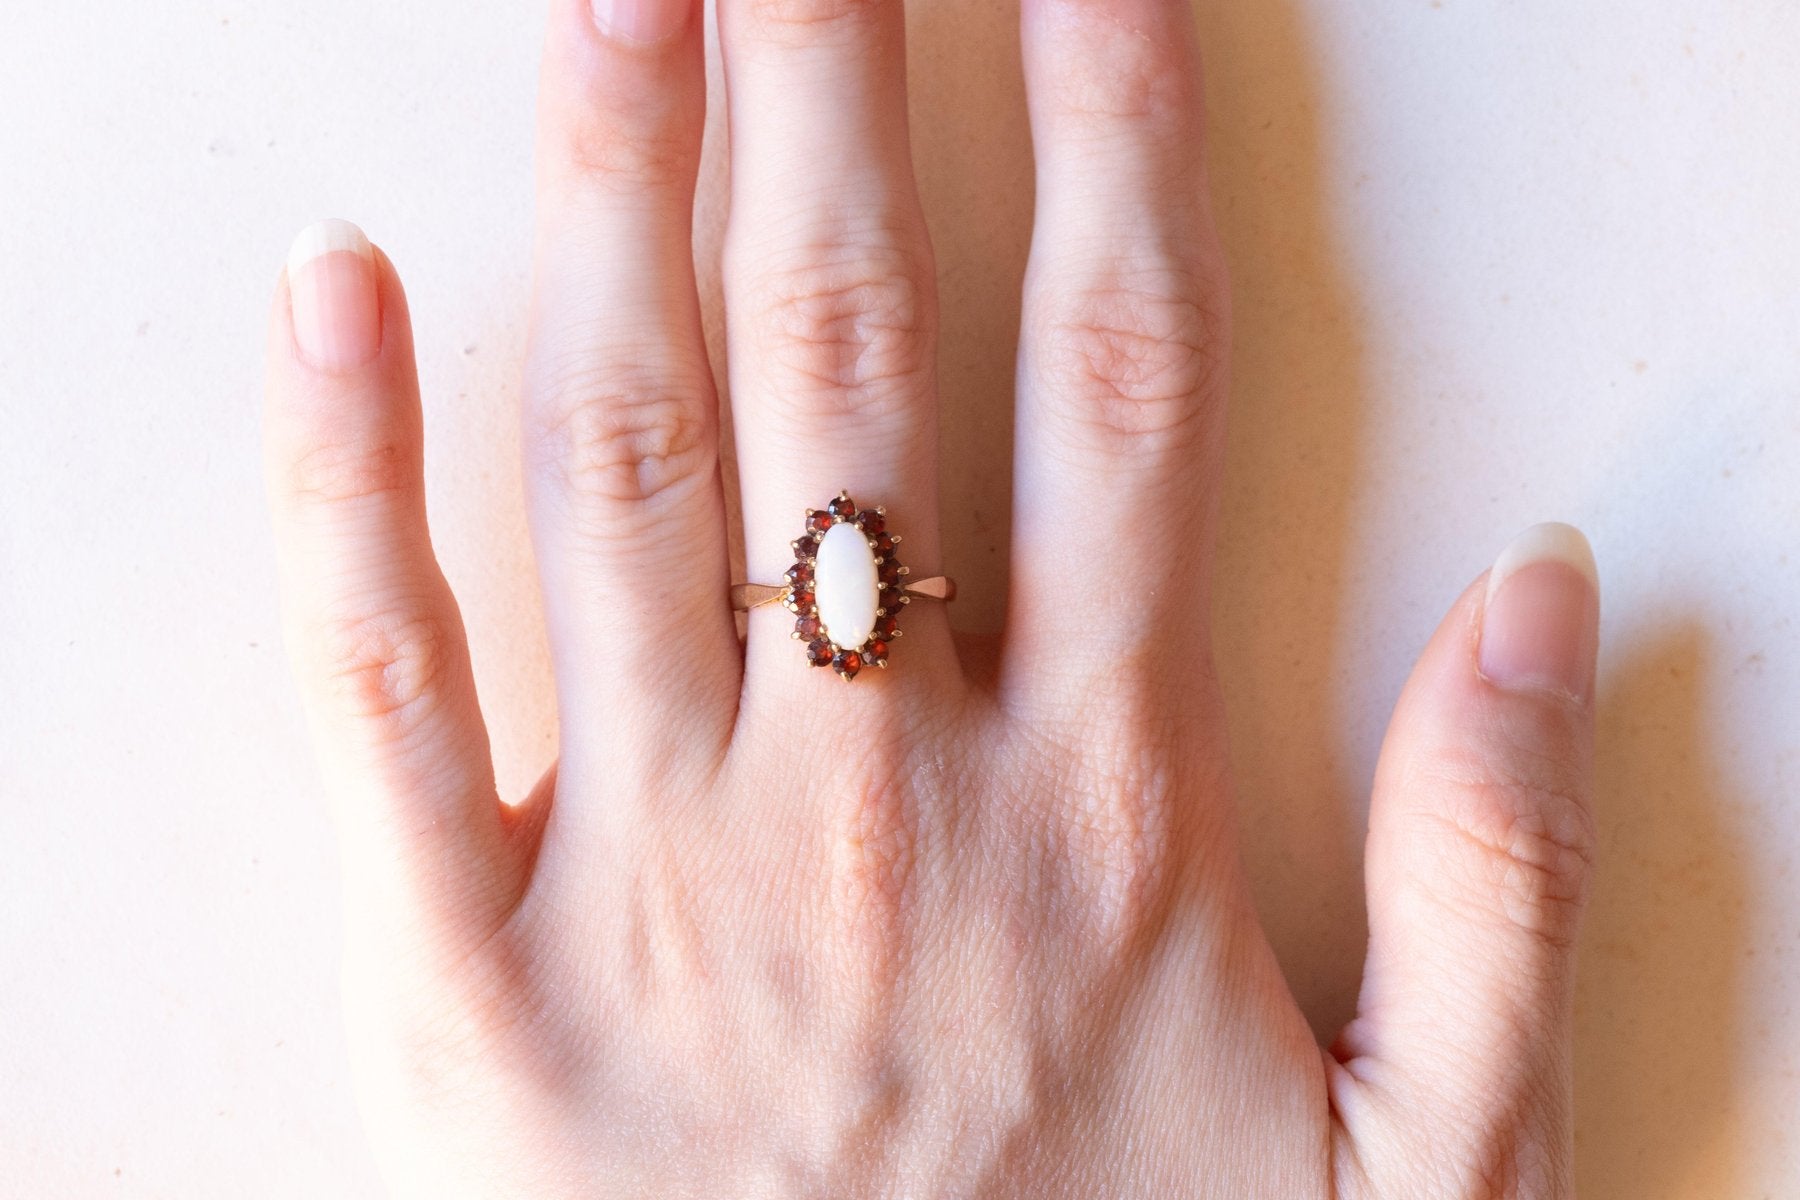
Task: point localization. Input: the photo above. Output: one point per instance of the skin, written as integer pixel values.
(970, 926)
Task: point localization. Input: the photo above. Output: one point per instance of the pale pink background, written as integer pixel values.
(1494, 263)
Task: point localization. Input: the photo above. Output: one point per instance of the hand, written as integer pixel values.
(970, 926)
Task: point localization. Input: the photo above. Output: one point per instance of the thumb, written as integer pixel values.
(1456, 1070)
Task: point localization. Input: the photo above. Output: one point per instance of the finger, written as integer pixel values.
(830, 295)
(1122, 351)
(373, 630)
(620, 414)
(1480, 840)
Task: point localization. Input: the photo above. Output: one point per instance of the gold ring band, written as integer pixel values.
(746, 596)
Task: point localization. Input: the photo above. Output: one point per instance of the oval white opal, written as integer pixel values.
(845, 586)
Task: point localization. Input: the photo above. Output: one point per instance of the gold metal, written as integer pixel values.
(745, 596)
(755, 595)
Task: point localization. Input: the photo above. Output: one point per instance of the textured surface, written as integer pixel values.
(1495, 264)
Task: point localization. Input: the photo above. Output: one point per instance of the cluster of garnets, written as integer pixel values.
(820, 651)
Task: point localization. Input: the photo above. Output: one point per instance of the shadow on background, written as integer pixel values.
(1293, 472)
(972, 147)
(1666, 940)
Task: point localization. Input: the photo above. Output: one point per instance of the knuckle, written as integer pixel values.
(1109, 70)
(873, 845)
(787, 20)
(850, 334)
(876, 830)
(629, 152)
(387, 667)
(343, 472)
(1533, 844)
(1119, 816)
(1120, 827)
(1112, 74)
(1133, 359)
(624, 437)
(664, 941)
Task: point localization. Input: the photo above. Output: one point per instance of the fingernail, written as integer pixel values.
(331, 284)
(641, 20)
(1541, 625)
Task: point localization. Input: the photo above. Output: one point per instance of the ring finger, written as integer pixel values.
(829, 294)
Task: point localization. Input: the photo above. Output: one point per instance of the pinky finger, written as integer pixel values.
(374, 632)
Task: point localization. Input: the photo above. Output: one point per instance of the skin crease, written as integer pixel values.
(970, 926)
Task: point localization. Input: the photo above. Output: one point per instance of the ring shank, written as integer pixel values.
(754, 595)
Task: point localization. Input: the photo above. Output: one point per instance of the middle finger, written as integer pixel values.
(829, 295)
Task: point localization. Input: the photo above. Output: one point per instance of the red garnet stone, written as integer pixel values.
(843, 508)
(807, 627)
(847, 662)
(819, 653)
(875, 653)
(871, 521)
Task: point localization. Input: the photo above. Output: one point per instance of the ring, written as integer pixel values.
(846, 587)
